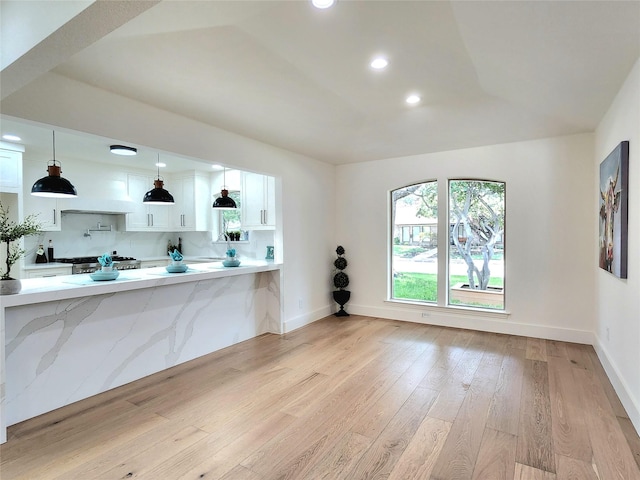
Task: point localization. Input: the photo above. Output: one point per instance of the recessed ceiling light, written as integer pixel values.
(322, 3)
(161, 165)
(413, 99)
(11, 138)
(123, 150)
(379, 63)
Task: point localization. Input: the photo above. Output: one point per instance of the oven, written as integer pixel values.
(91, 264)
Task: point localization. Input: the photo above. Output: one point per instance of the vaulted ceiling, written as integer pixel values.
(288, 74)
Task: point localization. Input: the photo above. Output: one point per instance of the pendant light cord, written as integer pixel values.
(54, 147)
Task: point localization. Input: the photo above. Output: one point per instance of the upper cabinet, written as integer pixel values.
(47, 210)
(145, 217)
(258, 202)
(192, 195)
(10, 169)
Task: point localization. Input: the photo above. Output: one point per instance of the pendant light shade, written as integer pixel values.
(123, 150)
(224, 201)
(53, 185)
(158, 195)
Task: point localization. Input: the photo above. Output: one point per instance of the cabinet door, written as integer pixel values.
(252, 201)
(183, 215)
(46, 209)
(137, 186)
(154, 263)
(258, 202)
(48, 272)
(10, 171)
(145, 217)
(159, 216)
(269, 215)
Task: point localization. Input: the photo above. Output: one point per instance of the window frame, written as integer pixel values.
(443, 225)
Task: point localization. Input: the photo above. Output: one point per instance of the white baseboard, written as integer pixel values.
(630, 404)
(305, 319)
(473, 320)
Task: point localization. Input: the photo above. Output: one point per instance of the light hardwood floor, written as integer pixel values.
(353, 398)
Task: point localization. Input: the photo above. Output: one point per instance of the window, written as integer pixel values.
(476, 251)
(414, 259)
(473, 243)
(230, 220)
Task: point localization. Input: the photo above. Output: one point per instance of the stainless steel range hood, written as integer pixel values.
(87, 205)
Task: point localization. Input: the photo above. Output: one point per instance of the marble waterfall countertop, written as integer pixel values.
(68, 337)
(36, 290)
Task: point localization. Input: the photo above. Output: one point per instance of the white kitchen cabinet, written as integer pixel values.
(48, 272)
(145, 217)
(10, 171)
(258, 202)
(46, 209)
(192, 194)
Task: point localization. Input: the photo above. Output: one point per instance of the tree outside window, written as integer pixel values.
(230, 220)
(414, 260)
(474, 243)
(476, 254)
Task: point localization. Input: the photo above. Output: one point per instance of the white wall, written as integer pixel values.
(550, 236)
(303, 241)
(618, 301)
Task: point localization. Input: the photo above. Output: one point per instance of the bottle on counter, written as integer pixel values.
(50, 251)
(40, 256)
(180, 244)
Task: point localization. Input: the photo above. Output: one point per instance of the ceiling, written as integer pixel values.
(296, 77)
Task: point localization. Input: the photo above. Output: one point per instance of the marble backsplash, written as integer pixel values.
(73, 241)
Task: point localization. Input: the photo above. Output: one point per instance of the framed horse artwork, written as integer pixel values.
(614, 215)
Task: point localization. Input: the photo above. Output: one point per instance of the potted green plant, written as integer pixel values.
(11, 231)
(341, 281)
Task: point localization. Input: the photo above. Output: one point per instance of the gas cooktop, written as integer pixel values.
(115, 258)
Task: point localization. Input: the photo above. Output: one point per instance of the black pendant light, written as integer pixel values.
(224, 201)
(123, 150)
(158, 195)
(53, 185)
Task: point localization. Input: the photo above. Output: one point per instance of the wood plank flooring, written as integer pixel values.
(350, 398)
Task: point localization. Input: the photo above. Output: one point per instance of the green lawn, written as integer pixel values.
(423, 286)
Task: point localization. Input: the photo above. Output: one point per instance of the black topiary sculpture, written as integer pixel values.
(341, 281)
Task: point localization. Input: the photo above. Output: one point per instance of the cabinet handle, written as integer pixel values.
(152, 219)
(49, 275)
(55, 220)
(265, 217)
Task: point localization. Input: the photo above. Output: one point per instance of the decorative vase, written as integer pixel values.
(341, 297)
(106, 269)
(231, 262)
(10, 286)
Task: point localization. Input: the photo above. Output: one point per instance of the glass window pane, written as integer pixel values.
(414, 259)
(476, 243)
(230, 220)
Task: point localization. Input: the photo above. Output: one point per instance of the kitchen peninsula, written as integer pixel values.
(67, 338)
